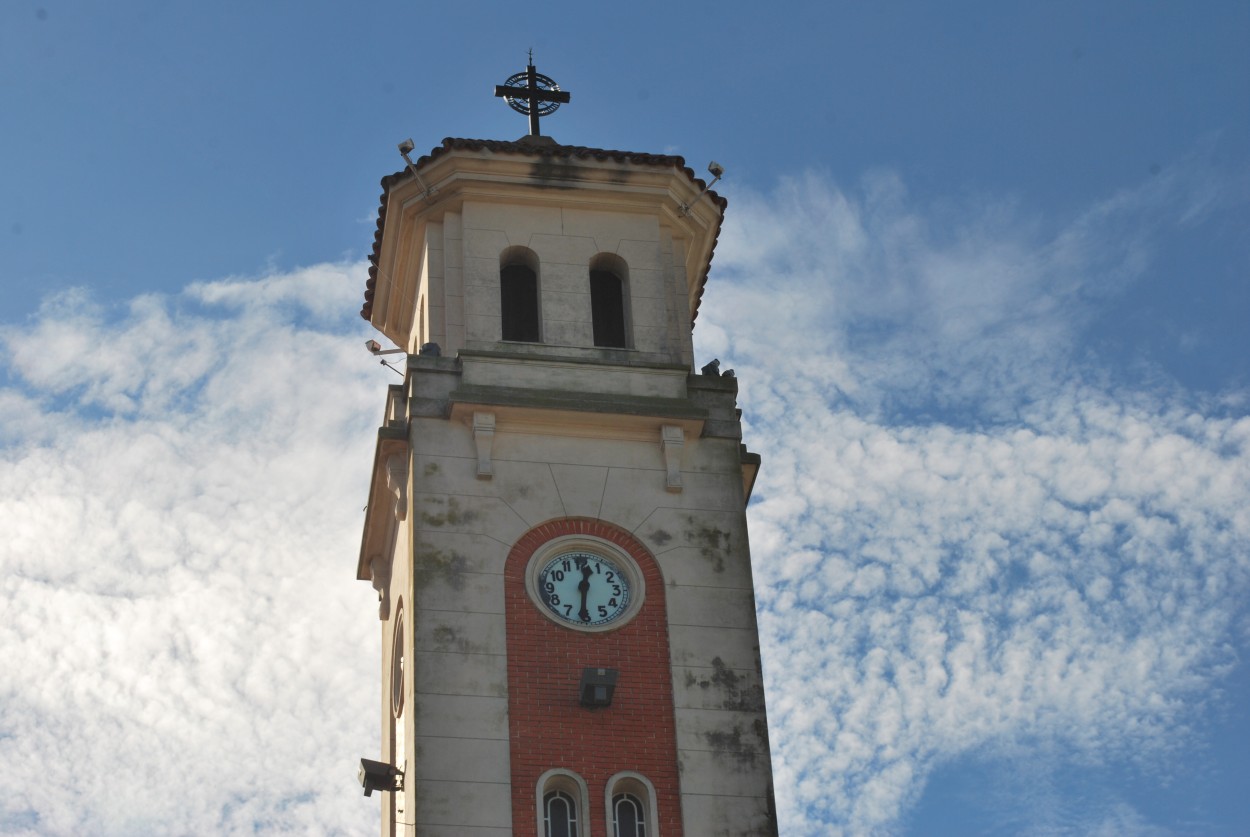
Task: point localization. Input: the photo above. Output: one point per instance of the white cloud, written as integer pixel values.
(181, 519)
(328, 291)
(971, 305)
(962, 538)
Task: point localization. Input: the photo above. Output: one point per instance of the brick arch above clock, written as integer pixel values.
(548, 727)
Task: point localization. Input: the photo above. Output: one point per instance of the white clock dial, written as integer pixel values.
(583, 588)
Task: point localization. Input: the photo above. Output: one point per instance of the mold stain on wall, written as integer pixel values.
(735, 693)
(711, 542)
(452, 514)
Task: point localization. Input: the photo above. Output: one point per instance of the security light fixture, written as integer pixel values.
(379, 776)
(375, 348)
(597, 686)
(405, 148)
(717, 171)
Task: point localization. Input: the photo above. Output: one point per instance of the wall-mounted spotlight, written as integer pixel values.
(405, 148)
(717, 171)
(597, 686)
(379, 776)
(375, 349)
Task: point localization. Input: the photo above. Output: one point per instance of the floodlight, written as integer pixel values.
(597, 687)
(375, 348)
(379, 776)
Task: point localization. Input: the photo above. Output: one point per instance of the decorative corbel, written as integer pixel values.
(484, 437)
(380, 576)
(672, 440)
(397, 483)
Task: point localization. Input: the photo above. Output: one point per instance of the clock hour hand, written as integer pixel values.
(583, 587)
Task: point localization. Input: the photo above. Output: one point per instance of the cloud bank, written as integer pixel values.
(185, 649)
(970, 535)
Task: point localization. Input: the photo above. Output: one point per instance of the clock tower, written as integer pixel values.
(556, 521)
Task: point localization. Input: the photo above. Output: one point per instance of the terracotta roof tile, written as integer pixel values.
(533, 148)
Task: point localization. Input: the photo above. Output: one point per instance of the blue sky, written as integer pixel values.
(984, 280)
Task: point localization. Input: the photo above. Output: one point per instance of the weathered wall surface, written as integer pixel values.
(463, 528)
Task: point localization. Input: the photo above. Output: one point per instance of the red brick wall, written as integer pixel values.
(550, 729)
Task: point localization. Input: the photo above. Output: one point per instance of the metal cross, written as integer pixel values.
(532, 94)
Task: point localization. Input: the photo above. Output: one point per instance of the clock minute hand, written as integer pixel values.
(583, 587)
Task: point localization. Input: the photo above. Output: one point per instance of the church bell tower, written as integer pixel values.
(556, 522)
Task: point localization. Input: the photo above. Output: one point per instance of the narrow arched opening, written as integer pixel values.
(609, 295)
(518, 295)
(562, 800)
(631, 806)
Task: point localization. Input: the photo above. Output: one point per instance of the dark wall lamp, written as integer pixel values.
(379, 776)
(597, 686)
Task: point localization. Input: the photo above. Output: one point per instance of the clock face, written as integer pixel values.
(583, 589)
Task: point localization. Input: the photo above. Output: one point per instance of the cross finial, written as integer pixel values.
(532, 94)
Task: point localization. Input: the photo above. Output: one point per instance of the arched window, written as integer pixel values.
(559, 815)
(631, 806)
(628, 816)
(518, 295)
(608, 301)
(397, 663)
(562, 802)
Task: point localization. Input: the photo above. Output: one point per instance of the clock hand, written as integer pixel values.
(583, 587)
